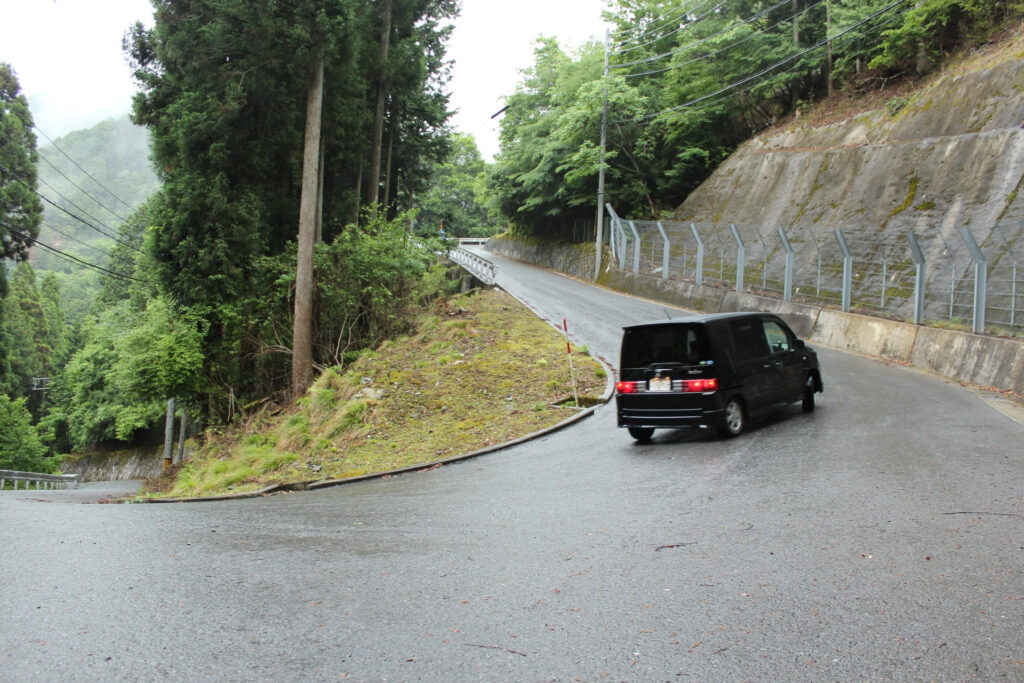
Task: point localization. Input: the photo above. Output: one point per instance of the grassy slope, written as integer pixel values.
(481, 371)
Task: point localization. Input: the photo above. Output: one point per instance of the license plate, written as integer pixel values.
(660, 384)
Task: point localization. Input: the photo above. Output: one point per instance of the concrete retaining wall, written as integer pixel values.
(139, 463)
(962, 356)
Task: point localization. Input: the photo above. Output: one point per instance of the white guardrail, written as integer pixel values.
(481, 268)
(45, 481)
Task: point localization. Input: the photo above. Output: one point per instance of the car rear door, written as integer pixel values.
(752, 362)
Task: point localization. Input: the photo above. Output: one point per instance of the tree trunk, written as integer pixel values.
(378, 118)
(302, 337)
(392, 131)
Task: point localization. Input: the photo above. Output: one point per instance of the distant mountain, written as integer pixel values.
(100, 175)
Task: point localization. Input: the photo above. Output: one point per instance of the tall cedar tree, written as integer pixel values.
(223, 90)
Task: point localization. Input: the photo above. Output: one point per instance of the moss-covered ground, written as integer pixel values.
(481, 370)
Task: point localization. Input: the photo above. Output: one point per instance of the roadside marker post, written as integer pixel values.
(572, 372)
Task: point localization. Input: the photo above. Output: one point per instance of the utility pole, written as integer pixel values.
(302, 336)
(599, 242)
(378, 118)
(828, 39)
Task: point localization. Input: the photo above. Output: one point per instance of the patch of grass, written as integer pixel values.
(480, 371)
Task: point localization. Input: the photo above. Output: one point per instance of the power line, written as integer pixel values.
(766, 70)
(77, 218)
(89, 175)
(80, 189)
(70, 237)
(70, 258)
(666, 21)
(706, 39)
(679, 28)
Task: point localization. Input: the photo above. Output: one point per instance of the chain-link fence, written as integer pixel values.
(967, 277)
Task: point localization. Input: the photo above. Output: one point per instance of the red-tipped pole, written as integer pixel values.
(572, 372)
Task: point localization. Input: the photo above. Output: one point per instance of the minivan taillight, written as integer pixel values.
(699, 385)
(627, 387)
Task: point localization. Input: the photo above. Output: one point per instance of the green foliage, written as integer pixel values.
(223, 91)
(455, 196)
(20, 447)
(934, 27)
(131, 362)
(20, 208)
(367, 282)
(34, 332)
(687, 85)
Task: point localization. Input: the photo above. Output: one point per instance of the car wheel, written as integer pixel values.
(808, 402)
(735, 418)
(641, 433)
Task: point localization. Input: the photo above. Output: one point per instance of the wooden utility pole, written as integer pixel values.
(302, 336)
(378, 117)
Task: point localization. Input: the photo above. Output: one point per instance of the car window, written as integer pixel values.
(748, 339)
(663, 344)
(778, 340)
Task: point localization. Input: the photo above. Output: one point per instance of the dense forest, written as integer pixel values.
(163, 257)
(688, 80)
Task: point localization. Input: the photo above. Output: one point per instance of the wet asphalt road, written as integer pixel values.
(879, 538)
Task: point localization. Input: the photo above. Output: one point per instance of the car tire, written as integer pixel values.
(735, 419)
(642, 434)
(808, 401)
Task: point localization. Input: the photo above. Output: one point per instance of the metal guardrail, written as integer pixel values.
(971, 276)
(45, 481)
(481, 268)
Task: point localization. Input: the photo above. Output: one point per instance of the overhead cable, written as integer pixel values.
(727, 29)
(754, 77)
(89, 175)
(70, 237)
(681, 27)
(57, 206)
(70, 258)
(666, 20)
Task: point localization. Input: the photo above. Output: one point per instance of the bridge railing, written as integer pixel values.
(44, 481)
(481, 268)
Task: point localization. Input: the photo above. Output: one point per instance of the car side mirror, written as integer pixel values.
(798, 344)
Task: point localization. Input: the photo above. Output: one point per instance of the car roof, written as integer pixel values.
(699, 318)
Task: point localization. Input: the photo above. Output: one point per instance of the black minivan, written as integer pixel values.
(711, 371)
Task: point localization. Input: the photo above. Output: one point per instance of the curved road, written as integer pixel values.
(881, 537)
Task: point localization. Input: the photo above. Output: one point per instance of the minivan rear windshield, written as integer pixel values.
(670, 343)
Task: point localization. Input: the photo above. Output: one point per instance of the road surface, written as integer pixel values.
(881, 537)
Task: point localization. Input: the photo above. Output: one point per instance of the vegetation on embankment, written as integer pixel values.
(478, 371)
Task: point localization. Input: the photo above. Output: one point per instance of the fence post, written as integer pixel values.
(612, 236)
(180, 454)
(636, 248)
(169, 433)
(1013, 296)
(885, 274)
(787, 287)
(699, 273)
(980, 279)
(741, 257)
(920, 271)
(665, 252)
(847, 270)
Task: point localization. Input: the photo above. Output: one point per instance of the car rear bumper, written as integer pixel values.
(641, 411)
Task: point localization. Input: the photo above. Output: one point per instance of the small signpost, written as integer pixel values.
(572, 372)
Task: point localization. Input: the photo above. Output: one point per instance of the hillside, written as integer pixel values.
(931, 160)
(109, 177)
